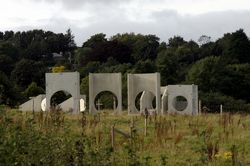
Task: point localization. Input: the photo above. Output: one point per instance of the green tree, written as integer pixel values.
(147, 66)
(239, 47)
(33, 90)
(27, 71)
(84, 87)
(9, 94)
(6, 64)
(238, 81)
(233, 47)
(143, 46)
(115, 49)
(167, 65)
(91, 67)
(10, 50)
(208, 73)
(82, 56)
(176, 41)
(94, 40)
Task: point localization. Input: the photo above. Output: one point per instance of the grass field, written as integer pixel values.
(57, 138)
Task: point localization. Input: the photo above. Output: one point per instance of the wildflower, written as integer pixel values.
(227, 155)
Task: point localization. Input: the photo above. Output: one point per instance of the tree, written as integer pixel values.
(176, 41)
(70, 40)
(84, 87)
(204, 39)
(94, 40)
(167, 65)
(143, 46)
(238, 81)
(1, 35)
(33, 90)
(233, 47)
(9, 94)
(6, 64)
(8, 35)
(27, 71)
(239, 47)
(117, 50)
(89, 68)
(208, 73)
(147, 66)
(10, 50)
(83, 56)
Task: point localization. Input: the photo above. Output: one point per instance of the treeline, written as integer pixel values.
(220, 68)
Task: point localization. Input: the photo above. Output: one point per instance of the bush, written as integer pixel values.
(213, 100)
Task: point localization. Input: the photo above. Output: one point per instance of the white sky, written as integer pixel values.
(164, 18)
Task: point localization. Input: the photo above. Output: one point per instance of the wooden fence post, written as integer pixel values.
(145, 126)
(113, 136)
(199, 107)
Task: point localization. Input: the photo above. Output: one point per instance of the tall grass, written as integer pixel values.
(58, 138)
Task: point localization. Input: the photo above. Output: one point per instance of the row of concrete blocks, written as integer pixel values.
(112, 82)
(149, 84)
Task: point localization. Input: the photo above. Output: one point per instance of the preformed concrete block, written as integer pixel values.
(99, 82)
(147, 98)
(164, 99)
(66, 81)
(138, 83)
(68, 104)
(183, 99)
(35, 103)
(146, 101)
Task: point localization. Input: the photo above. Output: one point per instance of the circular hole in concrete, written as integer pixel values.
(180, 103)
(106, 100)
(150, 100)
(59, 97)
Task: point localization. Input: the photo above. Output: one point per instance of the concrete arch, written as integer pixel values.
(143, 82)
(68, 81)
(99, 82)
(107, 93)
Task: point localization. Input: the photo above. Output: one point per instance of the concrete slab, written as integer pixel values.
(189, 93)
(99, 82)
(139, 83)
(66, 81)
(35, 103)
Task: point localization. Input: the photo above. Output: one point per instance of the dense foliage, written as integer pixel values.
(220, 68)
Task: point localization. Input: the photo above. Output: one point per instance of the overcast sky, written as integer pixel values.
(164, 18)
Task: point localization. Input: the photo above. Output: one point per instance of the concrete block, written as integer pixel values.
(187, 92)
(66, 81)
(35, 103)
(99, 82)
(138, 83)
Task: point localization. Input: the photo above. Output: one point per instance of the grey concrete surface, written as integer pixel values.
(35, 103)
(99, 82)
(164, 99)
(139, 83)
(66, 81)
(190, 92)
(68, 104)
(147, 98)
